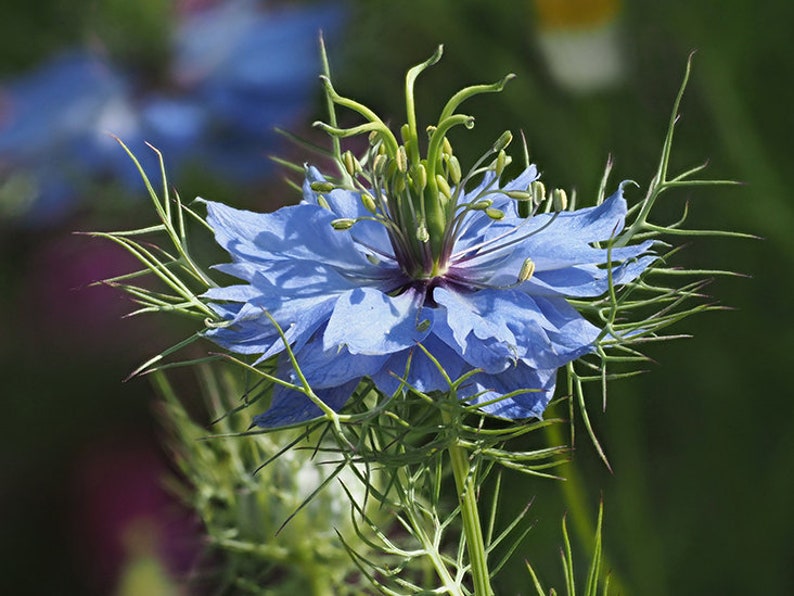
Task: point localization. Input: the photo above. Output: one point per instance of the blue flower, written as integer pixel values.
(238, 71)
(357, 284)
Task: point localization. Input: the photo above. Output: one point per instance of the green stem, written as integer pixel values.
(428, 544)
(320, 583)
(472, 529)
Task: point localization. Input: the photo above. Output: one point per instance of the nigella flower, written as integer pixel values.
(402, 254)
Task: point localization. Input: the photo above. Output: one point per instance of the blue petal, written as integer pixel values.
(419, 371)
(475, 223)
(586, 280)
(467, 323)
(536, 387)
(370, 236)
(329, 367)
(292, 407)
(492, 328)
(367, 321)
(301, 232)
(250, 331)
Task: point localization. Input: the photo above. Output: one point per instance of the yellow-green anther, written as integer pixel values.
(344, 223)
(538, 190)
(320, 186)
(443, 186)
(379, 164)
(527, 269)
(369, 202)
(423, 326)
(493, 213)
(398, 185)
(481, 205)
(322, 202)
(454, 170)
(351, 164)
(446, 147)
(559, 200)
(402, 159)
(519, 195)
(501, 162)
(405, 133)
(373, 138)
(503, 141)
(419, 176)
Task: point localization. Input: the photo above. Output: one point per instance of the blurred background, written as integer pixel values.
(702, 447)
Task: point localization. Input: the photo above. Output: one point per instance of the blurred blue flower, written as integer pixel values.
(238, 70)
(242, 68)
(52, 133)
(354, 299)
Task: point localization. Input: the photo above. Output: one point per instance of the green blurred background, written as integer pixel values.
(702, 447)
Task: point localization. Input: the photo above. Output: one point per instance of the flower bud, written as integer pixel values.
(422, 234)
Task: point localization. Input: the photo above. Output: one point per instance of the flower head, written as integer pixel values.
(409, 273)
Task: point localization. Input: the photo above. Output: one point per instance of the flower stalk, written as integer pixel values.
(470, 519)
